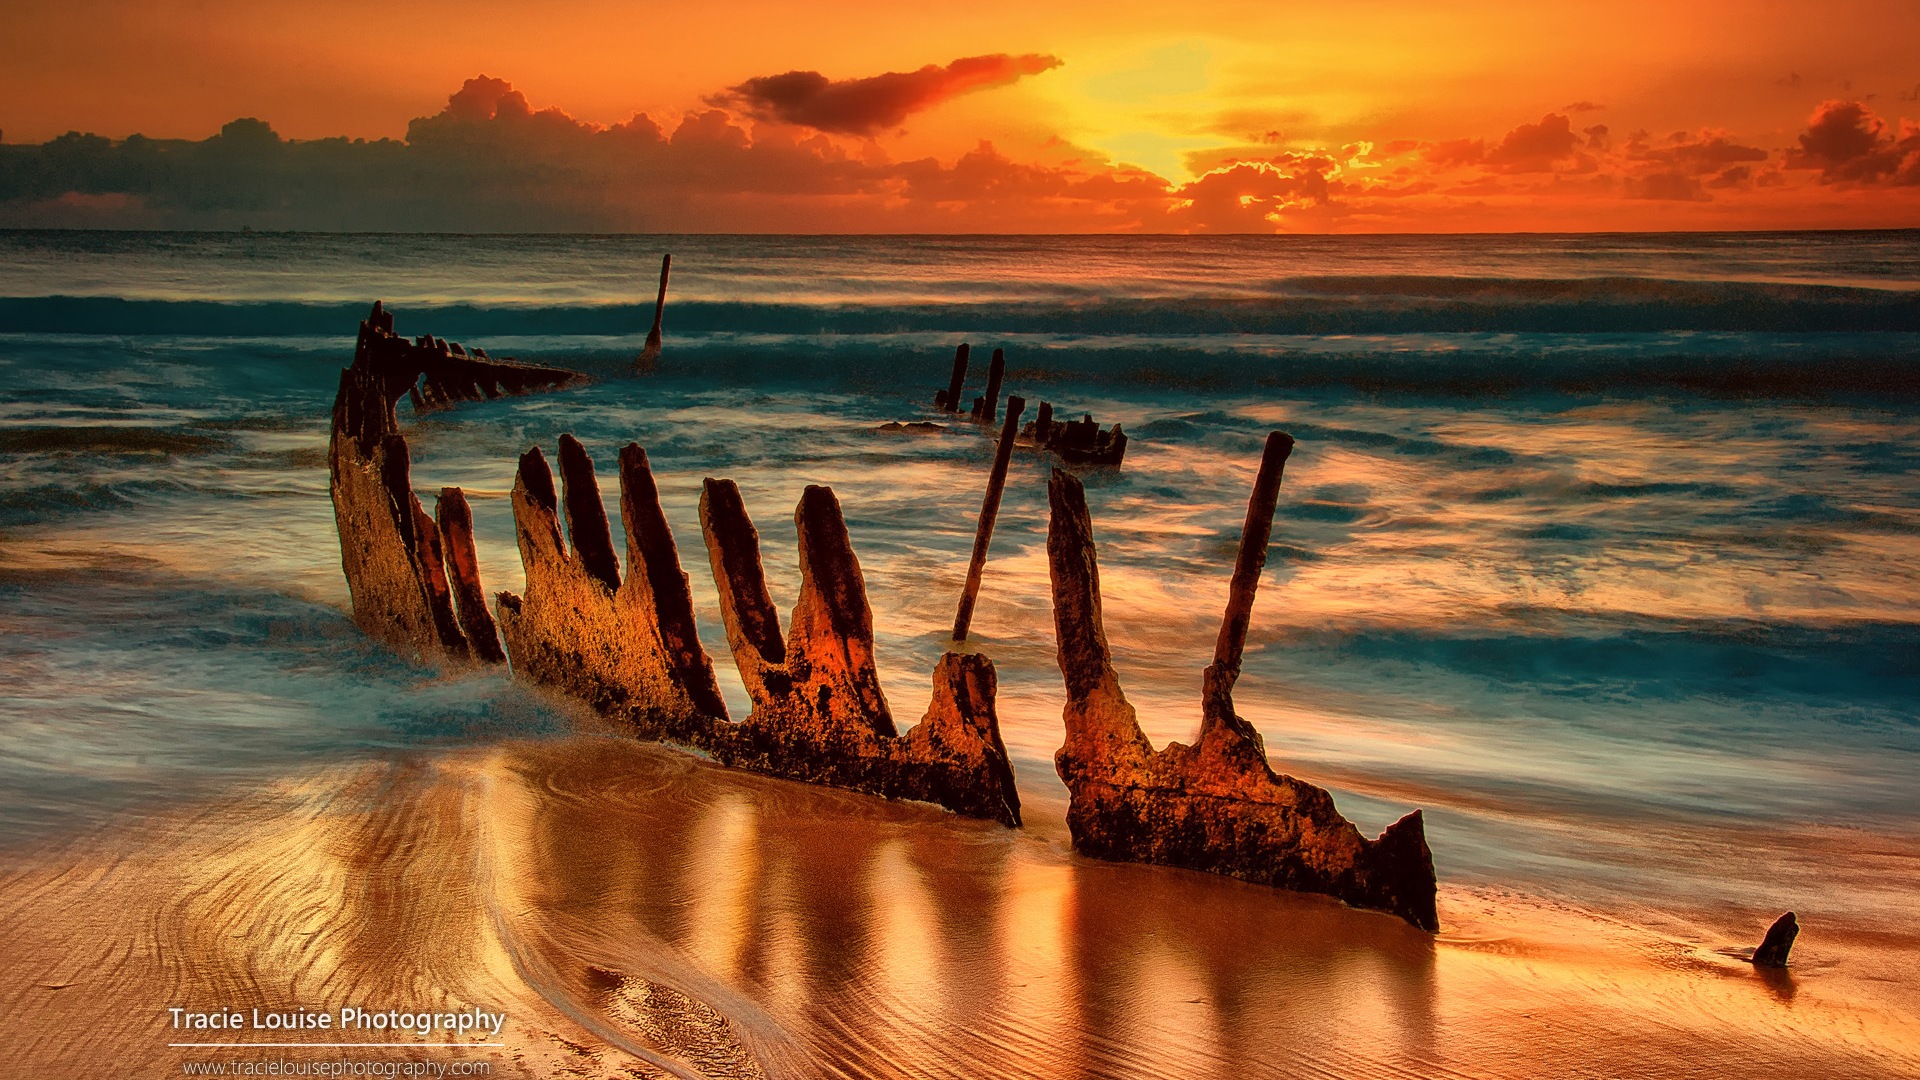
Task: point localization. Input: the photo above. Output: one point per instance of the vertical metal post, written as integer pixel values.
(1253, 552)
(989, 510)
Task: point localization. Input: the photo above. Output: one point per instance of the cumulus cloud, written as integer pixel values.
(1672, 186)
(1849, 144)
(871, 105)
(1738, 176)
(491, 160)
(1687, 165)
(984, 176)
(1548, 146)
(1453, 152)
(1311, 188)
(1250, 197)
(1554, 160)
(1707, 152)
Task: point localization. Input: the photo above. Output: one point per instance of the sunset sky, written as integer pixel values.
(990, 116)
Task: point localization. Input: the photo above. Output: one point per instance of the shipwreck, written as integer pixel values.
(628, 646)
(414, 579)
(621, 637)
(1216, 805)
(1076, 442)
(625, 641)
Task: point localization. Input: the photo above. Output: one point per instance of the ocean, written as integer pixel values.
(1603, 550)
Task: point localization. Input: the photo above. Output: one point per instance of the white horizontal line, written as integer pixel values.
(321, 1046)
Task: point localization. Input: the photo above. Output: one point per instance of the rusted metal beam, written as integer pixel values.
(989, 510)
(1252, 558)
(650, 353)
(949, 399)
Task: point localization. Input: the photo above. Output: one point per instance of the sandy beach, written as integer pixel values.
(637, 912)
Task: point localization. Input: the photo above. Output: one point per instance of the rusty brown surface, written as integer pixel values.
(989, 512)
(1778, 944)
(414, 581)
(1084, 442)
(455, 519)
(949, 399)
(986, 407)
(1217, 805)
(392, 563)
(660, 585)
(630, 648)
(820, 680)
(650, 352)
(581, 629)
(1252, 557)
(1076, 442)
(818, 710)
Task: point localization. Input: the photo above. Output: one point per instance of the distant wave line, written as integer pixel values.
(1320, 306)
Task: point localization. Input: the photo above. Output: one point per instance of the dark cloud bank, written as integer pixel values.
(869, 106)
(489, 162)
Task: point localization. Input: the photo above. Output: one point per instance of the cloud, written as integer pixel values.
(1849, 144)
(1688, 165)
(492, 161)
(1694, 155)
(1541, 147)
(1684, 168)
(1739, 176)
(985, 176)
(487, 98)
(871, 105)
(489, 161)
(1453, 152)
(1307, 188)
(1250, 197)
(1671, 186)
(1548, 146)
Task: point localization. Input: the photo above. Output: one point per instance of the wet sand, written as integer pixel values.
(636, 911)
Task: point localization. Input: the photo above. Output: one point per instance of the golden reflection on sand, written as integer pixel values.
(637, 912)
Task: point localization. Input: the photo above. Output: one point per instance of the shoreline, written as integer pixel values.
(622, 900)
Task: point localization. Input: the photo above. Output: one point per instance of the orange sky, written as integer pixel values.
(1383, 115)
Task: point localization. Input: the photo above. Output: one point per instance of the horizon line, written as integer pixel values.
(247, 230)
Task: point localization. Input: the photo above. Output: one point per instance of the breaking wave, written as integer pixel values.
(1747, 340)
(1391, 304)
